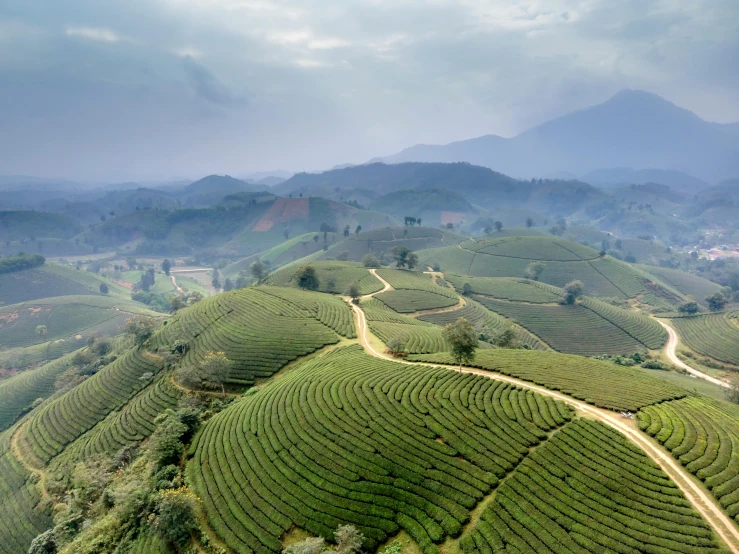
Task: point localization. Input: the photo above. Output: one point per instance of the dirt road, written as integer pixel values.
(701, 500)
(672, 356)
(175, 285)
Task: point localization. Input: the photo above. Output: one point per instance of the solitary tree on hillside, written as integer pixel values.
(404, 257)
(103, 288)
(215, 368)
(689, 308)
(573, 290)
(176, 303)
(166, 266)
(534, 270)
(141, 328)
(462, 339)
(353, 292)
(258, 270)
(397, 345)
(42, 331)
(307, 278)
(716, 302)
(346, 231)
(466, 289)
(147, 280)
(529, 223)
(358, 230)
(732, 391)
(370, 260)
(498, 226)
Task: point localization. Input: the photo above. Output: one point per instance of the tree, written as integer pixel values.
(573, 290)
(716, 302)
(343, 256)
(466, 289)
(166, 266)
(346, 231)
(42, 331)
(194, 297)
(258, 270)
(397, 344)
(228, 285)
(307, 278)
(529, 223)
(418, 221)
(732, 391)
(176, 303)
(506, 338)
(689, 308)
(175, 515)
(286, 234)
(488, 229)
(358, 229)
(141, 328)
(348, 539)
(498, 226)
(404, 257)
(215, 368)
(45, 543)
(103, 288)
(353, 292)
(370, 261)
(315, 238)
(534, 270)
(462, 339)
(147, 280)
(216, 281)
(311, 545)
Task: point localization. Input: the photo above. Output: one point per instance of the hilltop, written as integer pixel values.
(633, 129)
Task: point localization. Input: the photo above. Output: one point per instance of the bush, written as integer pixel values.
(688, 308)
(654, 364)
(175, 515)
(21, 262)
(370, 260)
(141, 328)
(573, 290)
(165, 446)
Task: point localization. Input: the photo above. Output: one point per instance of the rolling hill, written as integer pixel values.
(633, 129)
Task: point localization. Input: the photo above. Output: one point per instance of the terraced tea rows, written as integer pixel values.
(642, 328)
(421, 339)
(18, 393)
(602, 384)
(516, 290)
(346, 438)
(474, 312)
(333, 277)
(411, 280)
(686, 283)
(703, 434)
(715, 335)
(414, 292)
(21, 517)
(533, 248)
(573, 329)
(251, 326)
(68, 417)
(589, 490)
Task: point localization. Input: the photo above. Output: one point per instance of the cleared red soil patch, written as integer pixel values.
(283, 209)
(451, 217)
(126, 284)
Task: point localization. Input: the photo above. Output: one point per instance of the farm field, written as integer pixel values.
(333, 277)
(589, 490)
(414, 292)
(714, 334)
(64, 317)
(52, 280)
(703, 434)
(383, 240)
(386, 470)
(577, 329)
(516, 290)
(603, 384)
(250, 325)
(688, 284)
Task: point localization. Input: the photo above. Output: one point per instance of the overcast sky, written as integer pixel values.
(121, 89)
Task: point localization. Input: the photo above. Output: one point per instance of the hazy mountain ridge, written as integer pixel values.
(633, 129)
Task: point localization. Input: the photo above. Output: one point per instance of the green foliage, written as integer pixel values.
(572, 291)
(398, 344)
(306, 278)
(534, 270)
(333, 277)
(104, 288)
(258, 270)
(462, 340)
(517, 290)
(166, 266)
(165, 446)
(353, 292)
(404, 257)
(45, 543)
(370, 261)
(176, 303)
(215, 369)
(141, 328)
(175, 515)
(716, 302)
(20, 262)
(688, 308)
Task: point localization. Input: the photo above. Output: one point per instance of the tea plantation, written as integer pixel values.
(715, 335)
(414, 292)
(333, 277)
(703, 434)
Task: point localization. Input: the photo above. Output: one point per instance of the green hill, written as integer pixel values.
(687, 283)
(333, 277)
(714, 334)
(51, 280)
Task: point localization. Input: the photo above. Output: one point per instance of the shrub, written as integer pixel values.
(141, 328)
(573, 290)
(175, 515)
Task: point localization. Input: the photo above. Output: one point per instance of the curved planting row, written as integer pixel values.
(588, 490)
(413, 280)
(350, 439)
(251, 327)
(406, 301)
(715, 335)
(533, 248)
(703, 434)
(68, 417)
(508, 288)
(641, 327)
(480, 316)
(132, 424)
(447, 258)
(333, 277)
(420, 339)
(573, 328)
(603, 384)
(18, 393)
(21, 516)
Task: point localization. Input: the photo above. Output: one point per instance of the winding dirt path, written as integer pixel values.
(701, 500)
(175, 285)
(670, 347)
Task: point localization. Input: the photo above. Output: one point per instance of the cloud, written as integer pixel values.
(99, 34)
(207, 87)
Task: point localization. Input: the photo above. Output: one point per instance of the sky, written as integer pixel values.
(111, 90)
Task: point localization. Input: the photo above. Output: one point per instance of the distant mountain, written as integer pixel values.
(270, 181)
(222, 184)
(476, 184)
(676, 180)
(633, 129)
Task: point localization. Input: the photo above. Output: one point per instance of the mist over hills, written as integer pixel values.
(633, 129)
